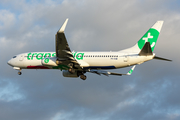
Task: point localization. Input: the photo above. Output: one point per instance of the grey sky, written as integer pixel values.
(151, 92)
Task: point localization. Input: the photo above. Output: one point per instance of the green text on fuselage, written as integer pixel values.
(40, 56)
(78, 56)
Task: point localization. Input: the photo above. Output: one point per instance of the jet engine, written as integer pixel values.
(50, 61)
(66, 73)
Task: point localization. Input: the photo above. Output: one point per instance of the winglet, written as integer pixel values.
(63, 26)
(129, 73)
(132, 69)
(99, 72)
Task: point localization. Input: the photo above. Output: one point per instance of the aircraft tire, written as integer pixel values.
(83, 77)
(71, 70)
(19, 73)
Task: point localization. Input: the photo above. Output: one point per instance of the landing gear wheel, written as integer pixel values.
(71, 70)
(19, 73)
(83, 77)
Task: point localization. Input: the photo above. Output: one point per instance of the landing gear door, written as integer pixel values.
(21, 58)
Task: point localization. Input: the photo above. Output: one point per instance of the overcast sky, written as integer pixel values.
(150, 93)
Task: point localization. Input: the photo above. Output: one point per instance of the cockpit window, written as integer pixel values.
(14, 57)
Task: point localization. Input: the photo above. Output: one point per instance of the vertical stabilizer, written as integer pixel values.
(150, 36)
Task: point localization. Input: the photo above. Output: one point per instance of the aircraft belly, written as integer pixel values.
(33, 64)
(133, 60)
(102, 63)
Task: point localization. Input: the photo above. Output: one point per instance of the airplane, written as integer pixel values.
(76, 64)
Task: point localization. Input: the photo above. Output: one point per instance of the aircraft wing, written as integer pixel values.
(106, 73)
(63, 52)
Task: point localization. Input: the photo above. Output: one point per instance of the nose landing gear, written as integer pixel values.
(19, 73)
(19, 70)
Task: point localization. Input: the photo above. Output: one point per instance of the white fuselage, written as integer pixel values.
(76, 64)
(87, 60)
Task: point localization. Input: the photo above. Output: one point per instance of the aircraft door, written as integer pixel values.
(126, 57)
(21, 58)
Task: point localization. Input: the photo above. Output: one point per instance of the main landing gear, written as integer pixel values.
(78, 73)
(71, 70)
(83, 77)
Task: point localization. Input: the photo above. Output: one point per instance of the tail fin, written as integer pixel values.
(150, 36)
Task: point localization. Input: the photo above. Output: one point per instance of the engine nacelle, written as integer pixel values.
(66, 73)
(50, 61)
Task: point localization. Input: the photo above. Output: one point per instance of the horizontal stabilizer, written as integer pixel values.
(146, 50)
(159, 58)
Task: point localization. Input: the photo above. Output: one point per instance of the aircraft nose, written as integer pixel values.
(9, 62)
